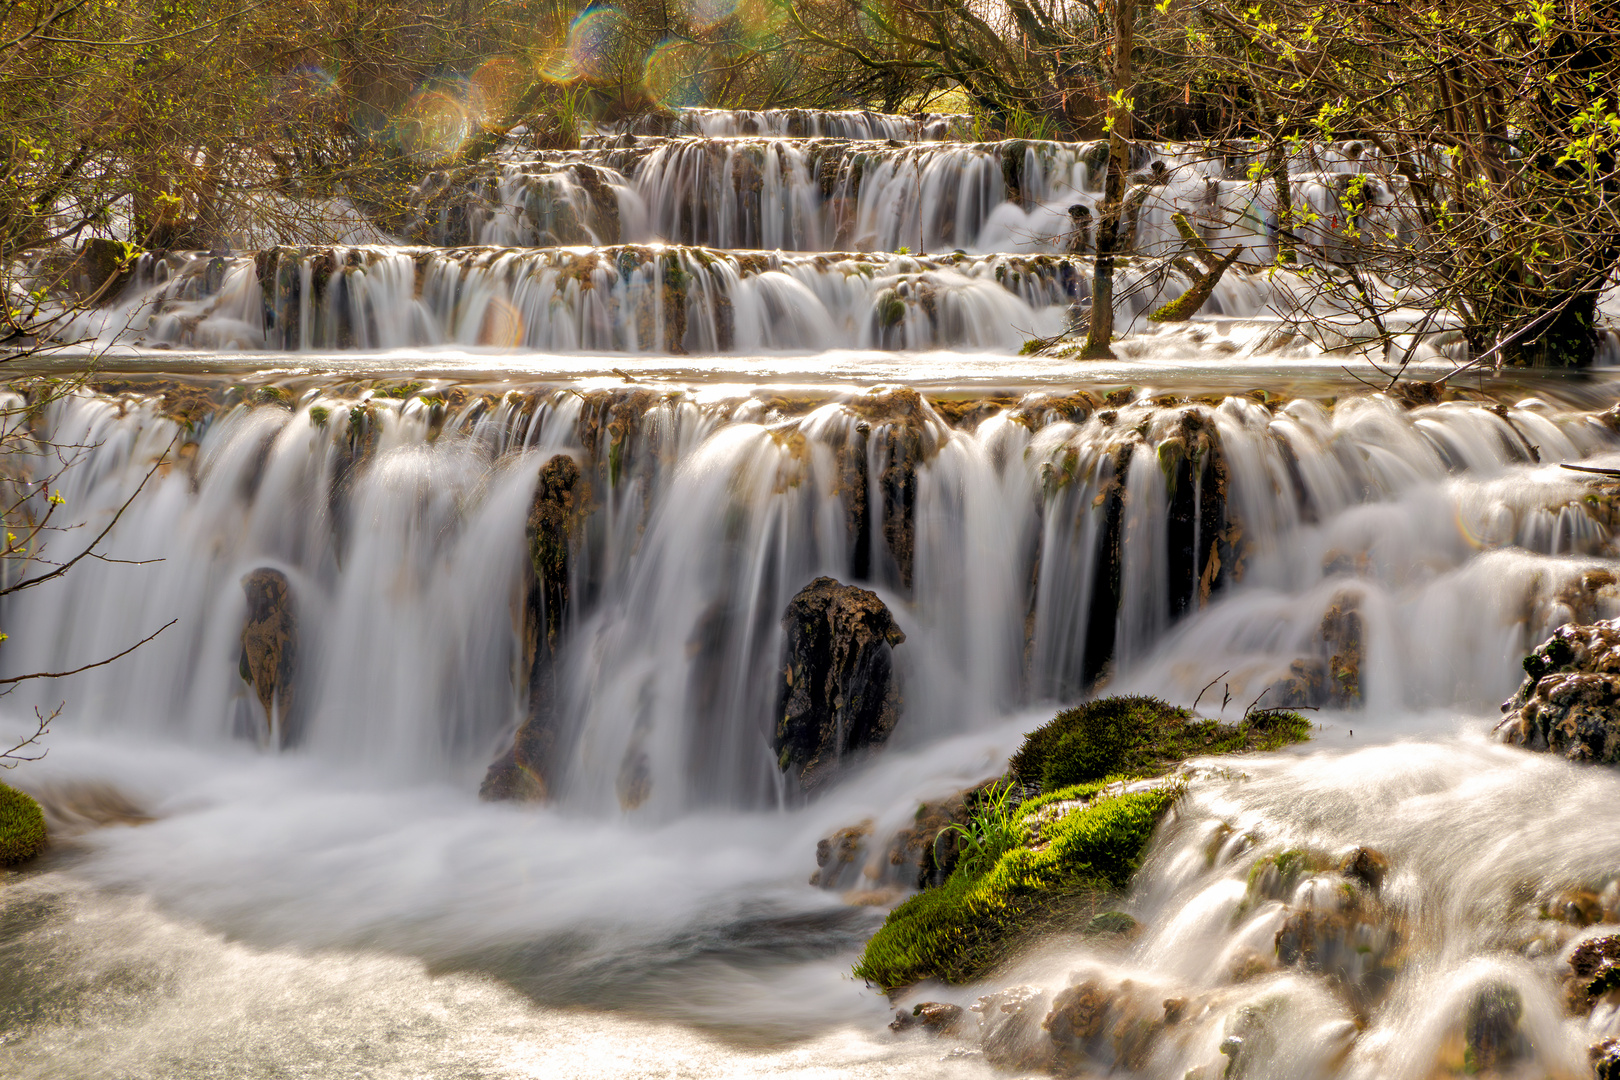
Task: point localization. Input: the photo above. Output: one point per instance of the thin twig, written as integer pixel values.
(87, 667)
(1205, 690)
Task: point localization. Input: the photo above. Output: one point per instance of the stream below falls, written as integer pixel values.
(317, 890)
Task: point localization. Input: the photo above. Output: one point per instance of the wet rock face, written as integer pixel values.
(1333, 676)
(839, 857)
(1605, 1057)
(1010, 1028)
(1594, 972)
(894, 435)
(936, 1017)
(1569, 702)
(838, 694)
(919, 856)
(270, 652)
(556, 518)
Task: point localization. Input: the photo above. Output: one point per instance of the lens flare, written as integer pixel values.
(435, 121)
(308, 92)
(502, 326)
(672, 74)
(1484, 527)
(494, 84)
(555, 66)
(596, 41)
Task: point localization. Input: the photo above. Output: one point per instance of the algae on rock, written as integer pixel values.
(1569, 702)
(960, 930)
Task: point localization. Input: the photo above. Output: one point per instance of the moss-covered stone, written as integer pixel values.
(959, 930)
(1055, 859)
(22, 827)
(1138, 736)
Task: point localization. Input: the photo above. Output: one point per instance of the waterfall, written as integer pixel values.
(1055, 544)
(730, 188)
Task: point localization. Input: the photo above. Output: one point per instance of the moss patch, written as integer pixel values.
(1054, 860)
(959, 930)
(1140, 736)
(22, 827)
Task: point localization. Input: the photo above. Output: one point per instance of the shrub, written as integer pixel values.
(22, 827)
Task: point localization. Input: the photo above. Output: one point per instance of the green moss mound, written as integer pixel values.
(1140, 736)
(962, 928)
(22, 827)
(1052, 860)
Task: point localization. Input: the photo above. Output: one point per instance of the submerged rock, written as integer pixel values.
(269, 659)
(1569, 702)
(1075, 1024)
(841, 857)
(1492, 1031)
(1333, 676)
(1010, 1028)
(556, 518)
(1367, 866)
(839, 695)
(936, 1017)
(1098, 1025)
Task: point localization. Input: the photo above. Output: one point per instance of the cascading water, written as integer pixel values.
(1040, 531)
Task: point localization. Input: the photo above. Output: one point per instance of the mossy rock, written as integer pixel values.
(1140, 736)
(960, 930)
(22, 827)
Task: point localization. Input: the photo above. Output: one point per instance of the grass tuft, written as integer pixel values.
(971, 922)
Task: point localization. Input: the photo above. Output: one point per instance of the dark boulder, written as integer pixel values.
(839, 694)
(1605, 1058)
(1569, 702)
(269, 658)
(1366, 865)
(1594, 972)
(556, 520)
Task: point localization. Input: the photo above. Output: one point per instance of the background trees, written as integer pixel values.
(174, 123)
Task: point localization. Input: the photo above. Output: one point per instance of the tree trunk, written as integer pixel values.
(1101, 332)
